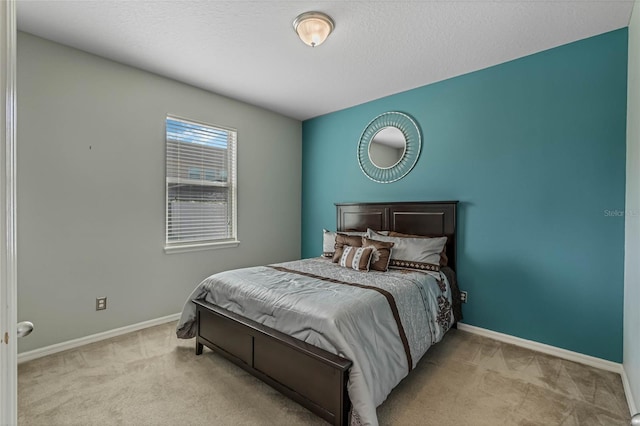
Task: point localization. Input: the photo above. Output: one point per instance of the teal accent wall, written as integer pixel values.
(534, 150)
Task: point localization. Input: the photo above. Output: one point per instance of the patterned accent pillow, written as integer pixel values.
(381, 255)
(345, 240)
(329, 241)
(357, 258)
(421, 254)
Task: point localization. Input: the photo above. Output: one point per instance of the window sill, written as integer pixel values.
(198, 247)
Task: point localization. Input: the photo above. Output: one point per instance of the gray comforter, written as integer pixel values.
(343, 311)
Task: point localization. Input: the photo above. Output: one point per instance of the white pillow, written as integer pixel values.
(422, 254)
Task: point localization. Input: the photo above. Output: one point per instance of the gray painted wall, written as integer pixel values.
(91, 194)
(631, 326)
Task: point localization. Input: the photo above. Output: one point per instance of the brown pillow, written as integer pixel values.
(345, 240)
(329, 241)
(357, 258)
(444, 259)
(381, 253)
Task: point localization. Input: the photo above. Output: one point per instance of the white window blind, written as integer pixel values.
(201, 183)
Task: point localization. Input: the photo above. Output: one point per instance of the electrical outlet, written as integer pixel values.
(463, 296)
(101, 303)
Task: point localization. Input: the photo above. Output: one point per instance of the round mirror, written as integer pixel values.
(387, 147)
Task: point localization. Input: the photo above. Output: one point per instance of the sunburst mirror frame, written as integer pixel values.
(413, 139)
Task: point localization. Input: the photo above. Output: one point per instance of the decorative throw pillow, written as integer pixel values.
(444, 259)
(381, 255)
(329, 241)
(357, 258)
(345, 240)
(421, 254)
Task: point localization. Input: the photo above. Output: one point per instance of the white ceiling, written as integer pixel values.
(248, 50)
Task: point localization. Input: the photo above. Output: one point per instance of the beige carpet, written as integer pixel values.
(151, 378)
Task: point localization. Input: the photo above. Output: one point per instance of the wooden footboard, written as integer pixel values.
(311, 376)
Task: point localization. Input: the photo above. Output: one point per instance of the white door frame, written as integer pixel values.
(8, 282)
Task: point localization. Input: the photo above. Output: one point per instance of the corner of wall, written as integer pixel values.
(631, 322)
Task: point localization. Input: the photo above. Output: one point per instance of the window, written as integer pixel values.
(201, 185)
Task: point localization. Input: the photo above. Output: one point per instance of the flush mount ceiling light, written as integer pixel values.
(313, 28)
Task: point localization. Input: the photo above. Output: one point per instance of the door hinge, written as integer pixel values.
(6, 337)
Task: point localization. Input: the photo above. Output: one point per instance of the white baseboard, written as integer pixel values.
(63, 346)
(627, 391)
(592, 361)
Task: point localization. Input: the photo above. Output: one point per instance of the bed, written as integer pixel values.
(311, 360)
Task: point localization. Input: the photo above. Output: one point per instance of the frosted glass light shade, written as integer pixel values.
(313, 28)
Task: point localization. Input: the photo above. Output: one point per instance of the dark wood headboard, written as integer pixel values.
(420, 218)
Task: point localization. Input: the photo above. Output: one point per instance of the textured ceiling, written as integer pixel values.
(248, 50)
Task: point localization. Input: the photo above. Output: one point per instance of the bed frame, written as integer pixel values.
(311, 376)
